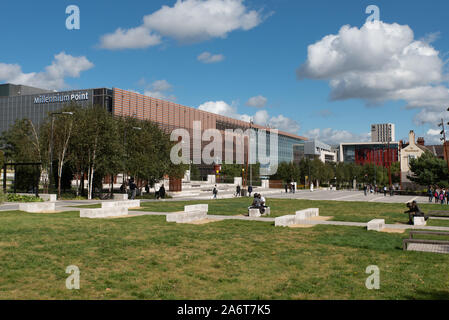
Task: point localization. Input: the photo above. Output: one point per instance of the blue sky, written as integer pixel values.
(259, 57)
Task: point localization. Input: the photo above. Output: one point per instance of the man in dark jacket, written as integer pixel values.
(414, 211)
(162, 192)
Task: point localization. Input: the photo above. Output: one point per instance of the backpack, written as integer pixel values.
(215, 191)
(441, 196)
(436, 194)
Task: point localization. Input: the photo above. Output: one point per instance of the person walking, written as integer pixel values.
(441, 196)
(293, 187)
(215, 192)
(162, 191)
(385, 191)
(365, 190)
(436, 194)
(430, 194)
(250, 190)
(286, 188)
(311, 187)
(237, 191)
(132, 187)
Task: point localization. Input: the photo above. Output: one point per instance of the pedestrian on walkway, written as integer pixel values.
(430, 193)
(385, 191)
(237, 191)
(250, 190)
(215, 192)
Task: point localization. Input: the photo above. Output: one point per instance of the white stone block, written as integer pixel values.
(120, 196)
(265, 184)
(104, 212)
(419, 221)
(267, 211)
(285, 221)
(37, 207)
(255, 213)
(307, 213)
(186, 217)
(197, 207)
(121, 204)
(48, 197)
(376, 224)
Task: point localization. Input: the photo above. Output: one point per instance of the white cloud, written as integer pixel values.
(261, 117)
(335, 137)
(257, 102)
(207, 57)
(187, 21)
(158, 89)
(224, 109)
(433, 136)
(135, 38)
(53, 78)
(377, 63)
(197, 20)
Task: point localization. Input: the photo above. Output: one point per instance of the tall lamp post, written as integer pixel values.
(53, 114)
(443, 139)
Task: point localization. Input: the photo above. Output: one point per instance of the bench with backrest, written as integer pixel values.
(438, 213)
(406, 242)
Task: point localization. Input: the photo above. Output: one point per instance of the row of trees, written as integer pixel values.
(92, 142)
(339, 174)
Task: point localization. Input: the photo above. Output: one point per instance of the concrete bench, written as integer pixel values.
(120, 196)
(104, 212)
(37, 207)
(285, 221)
(197, 207)
(191, 213)
(376, 225)
(121, 204)
(254, 212)
(186, 217)
(48, 197)
(307, 213)
(419, 221)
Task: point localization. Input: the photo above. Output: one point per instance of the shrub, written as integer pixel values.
(22, 198)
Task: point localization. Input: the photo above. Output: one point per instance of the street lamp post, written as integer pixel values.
(53, 114)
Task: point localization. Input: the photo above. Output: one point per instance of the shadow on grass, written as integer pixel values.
(429, 295)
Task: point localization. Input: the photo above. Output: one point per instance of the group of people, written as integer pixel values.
(368, 189)
(258, 203)
(131, 184)
(290, 187)
(238, 191)
(439, 195)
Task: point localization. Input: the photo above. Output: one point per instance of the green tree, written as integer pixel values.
(23, 144)
(429, 170)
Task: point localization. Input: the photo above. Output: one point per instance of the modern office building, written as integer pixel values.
(381, 154)
(317, 149)
(383, 132)
(18, 102)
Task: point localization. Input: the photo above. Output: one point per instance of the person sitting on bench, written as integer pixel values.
(414, 211)
(258, 204)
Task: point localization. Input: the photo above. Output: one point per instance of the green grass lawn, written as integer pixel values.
(340, 210)
(147, 258)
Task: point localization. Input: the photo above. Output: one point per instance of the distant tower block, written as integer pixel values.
(383, 132)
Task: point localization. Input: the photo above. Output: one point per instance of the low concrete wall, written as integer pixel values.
(120, 196)
(376, 224)
(37, 207)
(121, 204)
(186, 217)
(285, 221)
(254, 213)
(419, 221)
(197, 207)
(103, 212)
(307, 213)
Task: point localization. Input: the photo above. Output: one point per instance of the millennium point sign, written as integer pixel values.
(61, 98)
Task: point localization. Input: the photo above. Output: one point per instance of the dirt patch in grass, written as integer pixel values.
(302, 226)
(388, 230)
(204, 221)
(321, 218)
